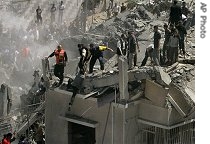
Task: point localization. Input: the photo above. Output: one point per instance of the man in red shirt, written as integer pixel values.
(8, 139)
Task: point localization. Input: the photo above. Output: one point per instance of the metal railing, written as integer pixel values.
(180, 135)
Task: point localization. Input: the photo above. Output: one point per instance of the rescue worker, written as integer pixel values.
(84, 58)
(26, 52)
(132, 49)
(26, 59)
(97, 53)
(8, 139)
(61, 60)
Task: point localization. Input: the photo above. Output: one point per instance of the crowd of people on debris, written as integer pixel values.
(127, 45)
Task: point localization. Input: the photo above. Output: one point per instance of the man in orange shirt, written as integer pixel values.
(61, 59)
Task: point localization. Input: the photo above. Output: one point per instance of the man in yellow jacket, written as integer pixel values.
(97, 53)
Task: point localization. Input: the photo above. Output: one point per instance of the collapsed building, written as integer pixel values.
(147, 104)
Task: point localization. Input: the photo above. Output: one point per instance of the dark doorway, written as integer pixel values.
(80, 134)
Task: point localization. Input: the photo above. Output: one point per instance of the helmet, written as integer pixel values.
(59, 46)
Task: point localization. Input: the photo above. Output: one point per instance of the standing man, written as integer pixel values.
(123, 7)
(84, 58)
(53, 10)
(122, 45)
(132, 50)
(175, 13)
(61, 59)
(166, 44)
(156, 53)
(185, 10)
(116, 9)
(61, 9)
(97, 53)
(173, 47)
(182, 33)
(39, 15)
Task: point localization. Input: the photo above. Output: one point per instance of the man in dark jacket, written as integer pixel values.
(39, 15)
(84, 58)
(182, 33)
(166, 43)
(132, 49)
(156, 51)
(175, 13)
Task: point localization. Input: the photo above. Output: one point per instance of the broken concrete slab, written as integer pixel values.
(162, 77)
(155, 93)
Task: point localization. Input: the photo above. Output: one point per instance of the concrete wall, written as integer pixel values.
(131, 125)
(57, 128)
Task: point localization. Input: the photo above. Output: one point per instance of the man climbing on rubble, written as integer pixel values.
(84, 58)
(76, 86)
(148, 53)
(61, 60)
(132, 49)
(156, 53)
(175, 13)
(97, 53)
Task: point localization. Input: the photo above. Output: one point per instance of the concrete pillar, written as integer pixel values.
(123, 78)
(44, 68)
(5, 100)
(45, 71)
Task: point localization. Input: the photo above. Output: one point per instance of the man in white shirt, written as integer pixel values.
(116, 9)
(61, 9)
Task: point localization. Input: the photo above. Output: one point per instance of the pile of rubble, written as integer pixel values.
(142, 21)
